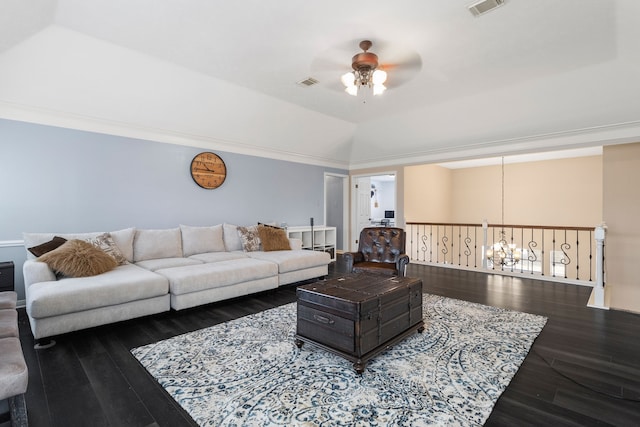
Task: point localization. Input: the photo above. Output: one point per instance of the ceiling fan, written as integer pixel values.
(392, 65)
(366, 72)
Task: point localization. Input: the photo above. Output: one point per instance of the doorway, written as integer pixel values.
(374, 201)
(336, 207)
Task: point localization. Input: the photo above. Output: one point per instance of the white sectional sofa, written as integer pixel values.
(165, 269)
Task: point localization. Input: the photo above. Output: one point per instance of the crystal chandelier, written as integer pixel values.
(501, 252)
(365, 72)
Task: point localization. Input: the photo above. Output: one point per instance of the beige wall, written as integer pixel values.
(563, 192)
(428, 193)
(621, 176)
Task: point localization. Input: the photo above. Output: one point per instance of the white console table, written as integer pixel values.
(324, 238)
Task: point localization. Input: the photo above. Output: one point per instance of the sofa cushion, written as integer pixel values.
(124, 239)
(200, 240)
(157, 264)
(77, 258)
(123, 284)
(196, 278)
(152, 244)
(250, 238)
(218, 256)
(9, 323)
(273, 238)
(14, 374)
(293, 260)
(232, 240)
(8, 299)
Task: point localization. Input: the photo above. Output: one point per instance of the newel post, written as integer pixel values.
(598, 290)
(485, 227)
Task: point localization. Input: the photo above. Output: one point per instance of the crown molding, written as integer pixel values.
(43, 116)
(618, 133)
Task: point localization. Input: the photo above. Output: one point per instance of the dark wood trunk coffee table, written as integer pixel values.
(357, 316)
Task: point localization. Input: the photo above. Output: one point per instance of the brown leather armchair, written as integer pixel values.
(381, 250)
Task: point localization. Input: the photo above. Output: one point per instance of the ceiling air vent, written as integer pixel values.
(309, 81)
(484, 6)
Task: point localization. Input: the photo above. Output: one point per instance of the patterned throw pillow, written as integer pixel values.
(77, 258)
(105, 242)
(250, 238)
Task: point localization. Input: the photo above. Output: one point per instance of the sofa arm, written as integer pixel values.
(35, 272)
(401, 264)
(351, 258)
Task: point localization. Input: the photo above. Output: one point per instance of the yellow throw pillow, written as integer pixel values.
(77, 258)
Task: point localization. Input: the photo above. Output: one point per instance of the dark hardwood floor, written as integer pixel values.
(584, 368)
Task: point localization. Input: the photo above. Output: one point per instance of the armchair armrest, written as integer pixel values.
(401, 264)
(351, 258)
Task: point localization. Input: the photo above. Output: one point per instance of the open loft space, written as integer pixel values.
(213, 158)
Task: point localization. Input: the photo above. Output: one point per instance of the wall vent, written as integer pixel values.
(484, 6)
(309, 81)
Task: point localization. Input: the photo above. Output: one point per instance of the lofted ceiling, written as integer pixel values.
(529, 76)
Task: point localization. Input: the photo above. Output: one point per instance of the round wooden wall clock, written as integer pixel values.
(208, 170)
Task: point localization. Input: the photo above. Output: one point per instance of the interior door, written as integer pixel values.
(363, 206)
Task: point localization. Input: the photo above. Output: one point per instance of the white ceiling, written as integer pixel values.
(527, 77)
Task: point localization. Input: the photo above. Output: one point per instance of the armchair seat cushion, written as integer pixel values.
(375, 268)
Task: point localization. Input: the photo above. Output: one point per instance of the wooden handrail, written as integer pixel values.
(444, 223)
(538, 227)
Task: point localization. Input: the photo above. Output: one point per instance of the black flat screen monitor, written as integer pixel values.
(389, 214)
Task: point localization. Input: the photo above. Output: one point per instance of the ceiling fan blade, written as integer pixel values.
(401, 62)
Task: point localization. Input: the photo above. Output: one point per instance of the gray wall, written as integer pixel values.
(62, 180)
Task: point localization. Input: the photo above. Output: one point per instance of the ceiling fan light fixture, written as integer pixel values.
(379, 77)
(365, 72)
(378, 89)
(348, 79)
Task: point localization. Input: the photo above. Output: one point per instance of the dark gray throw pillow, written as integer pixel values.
(45, 247)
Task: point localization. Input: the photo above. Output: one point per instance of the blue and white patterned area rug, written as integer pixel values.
(249, 372)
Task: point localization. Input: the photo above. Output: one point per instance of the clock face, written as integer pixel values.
(208, 170)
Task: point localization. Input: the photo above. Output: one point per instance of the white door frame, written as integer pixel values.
(345, 206)
(355, 233)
